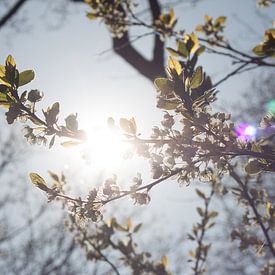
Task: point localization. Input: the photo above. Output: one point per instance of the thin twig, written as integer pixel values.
(236, 177)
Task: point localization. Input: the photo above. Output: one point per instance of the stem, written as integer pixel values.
(125, 193)
(198, 268)
(97, 249)
(148, 186)
(236, 177)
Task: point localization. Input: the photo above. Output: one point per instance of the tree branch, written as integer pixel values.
(149, 68)
(13, 10)
(250, 201)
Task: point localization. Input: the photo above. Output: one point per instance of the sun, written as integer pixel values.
(105, 147)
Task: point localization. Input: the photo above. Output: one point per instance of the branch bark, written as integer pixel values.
(149, 68)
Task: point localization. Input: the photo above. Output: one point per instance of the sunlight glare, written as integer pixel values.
(105, 148)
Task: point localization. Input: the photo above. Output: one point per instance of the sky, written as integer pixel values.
(64, 52)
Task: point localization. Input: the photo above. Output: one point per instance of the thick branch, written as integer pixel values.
(148, 68)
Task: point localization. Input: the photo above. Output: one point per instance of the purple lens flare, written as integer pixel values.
(245, 131)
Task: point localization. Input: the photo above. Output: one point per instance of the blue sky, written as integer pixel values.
(70, 70)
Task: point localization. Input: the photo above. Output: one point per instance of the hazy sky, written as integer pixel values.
(70, 70)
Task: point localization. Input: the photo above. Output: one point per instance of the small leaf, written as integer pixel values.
(26, 77)
(199, 28)
(128, 126)
(35, 95)
(174, 65)
(253, 167)
(164, 85)
(10, 61)
(220, 20)
(191, 254)
(200, 50)
(52, 142)
(197, 78)
(182, 49)
(211, 225)
(91, 16)
(13, 113)
(3, 101)
(195, 40)
(133, 125)
(71, 122)
(259, 50)
(207, 18)
(164, 261)
(172, 52)
(51, 113)
(213, 214)
(200, 194)
(38, 181)
(53, 176)
(191, 237)
(3, 97)
(137, 228)
(167, 104)
(200, 211)
(5, 82)
(2, 71)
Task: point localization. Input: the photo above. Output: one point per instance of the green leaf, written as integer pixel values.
(253, 167)
(4, 89)
(38, 181)
(128, 126)
(4, 81)
(200, 211)
(197, 78)
(3, 97)
(51, 113)
(207, 18)
(213, 214)
(3, 100)
(210, 225)
(200, 50)
(54, 176)
(137, 228)
(164, 85)
(71, 122)
(26, 77)
(220, 20)
(195, 41)
(182, 49)
(91, 16)
(2, 71)
(167, 104)
(200, 194)
(191, 237)
(259, 50)
(13, 113)
(10, 61)
(35, 95)
(172, 52)
(174, 64)
(199, 28)
(52, 142)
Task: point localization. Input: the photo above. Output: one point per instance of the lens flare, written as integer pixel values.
(245, 131)
(270, 106)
